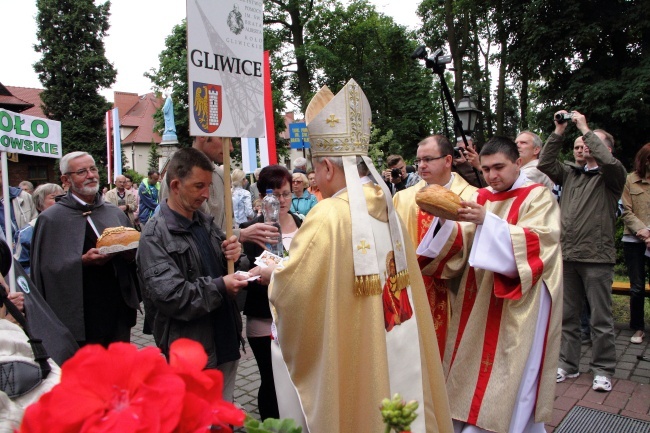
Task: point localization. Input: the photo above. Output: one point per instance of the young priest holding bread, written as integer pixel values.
(504, 335)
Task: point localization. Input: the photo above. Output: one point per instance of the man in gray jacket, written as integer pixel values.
(182, 265)
(214, 205)
(588, 204)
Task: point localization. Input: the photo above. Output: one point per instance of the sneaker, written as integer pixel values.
(602, 383)
(562, 375)
(637, 338)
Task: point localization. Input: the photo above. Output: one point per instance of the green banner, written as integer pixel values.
(29, 135)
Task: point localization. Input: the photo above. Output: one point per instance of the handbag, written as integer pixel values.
(43, 323)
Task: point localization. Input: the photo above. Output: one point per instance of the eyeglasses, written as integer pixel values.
(427, 159)
(284, 195)
(296, 181)
(84, 171)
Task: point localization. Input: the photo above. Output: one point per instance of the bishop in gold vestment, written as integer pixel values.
(352, 322)
(504, 336)
(334, 342)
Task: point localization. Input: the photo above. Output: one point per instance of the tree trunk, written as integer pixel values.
(297, 35)
(457, 46)
(523, 99)
(501, 89)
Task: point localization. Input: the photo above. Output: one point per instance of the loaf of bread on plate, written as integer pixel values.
(114, 236)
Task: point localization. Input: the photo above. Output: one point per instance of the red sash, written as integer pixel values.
(436, 289)
(506, 288)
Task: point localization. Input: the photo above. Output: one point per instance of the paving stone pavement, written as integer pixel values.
(630, 395)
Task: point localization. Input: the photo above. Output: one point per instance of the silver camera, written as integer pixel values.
(563, 117)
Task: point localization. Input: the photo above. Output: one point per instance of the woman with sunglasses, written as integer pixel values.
(302, 200)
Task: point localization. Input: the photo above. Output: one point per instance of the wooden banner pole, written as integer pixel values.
(228, 195)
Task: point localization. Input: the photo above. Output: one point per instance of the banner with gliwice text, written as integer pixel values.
(29, 135)
(225, 55)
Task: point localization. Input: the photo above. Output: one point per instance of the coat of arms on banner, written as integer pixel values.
(207, 106)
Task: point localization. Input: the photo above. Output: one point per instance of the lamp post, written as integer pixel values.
(467, 113)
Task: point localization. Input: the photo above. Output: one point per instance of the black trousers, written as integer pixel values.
(267, 401)
(636, 260)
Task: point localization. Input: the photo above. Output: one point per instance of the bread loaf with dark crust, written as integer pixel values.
(438, 201)
(118, 236)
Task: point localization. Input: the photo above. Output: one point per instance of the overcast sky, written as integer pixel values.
(136, 37)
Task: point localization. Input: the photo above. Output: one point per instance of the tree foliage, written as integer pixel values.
(285, 22)
(72, 69)
(153, 159)
(549, 54)
(358, 42)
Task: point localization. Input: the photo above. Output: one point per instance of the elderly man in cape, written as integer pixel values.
(504, 336)
(434, 162)
(93, 294)
(355, 329)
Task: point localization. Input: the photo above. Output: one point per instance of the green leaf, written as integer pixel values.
(271, 425)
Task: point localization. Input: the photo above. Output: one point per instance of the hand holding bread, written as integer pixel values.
(447, 205)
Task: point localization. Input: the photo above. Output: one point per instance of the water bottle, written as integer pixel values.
(271, 212)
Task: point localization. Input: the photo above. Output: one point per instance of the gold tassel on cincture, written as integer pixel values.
(403, 279)
(367, 285)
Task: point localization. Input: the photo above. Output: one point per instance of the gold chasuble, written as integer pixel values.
(494, 318)
(335, 343)
(417, 223)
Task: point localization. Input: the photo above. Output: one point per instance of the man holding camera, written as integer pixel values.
(396, 176)
(466, 162)
(588, 204)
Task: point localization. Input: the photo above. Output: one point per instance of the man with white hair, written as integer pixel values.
(121, 198)
(93, 294)
(300, 165)
(26, 186)
(530, 145)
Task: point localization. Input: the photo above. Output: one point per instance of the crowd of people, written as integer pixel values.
(376, 296)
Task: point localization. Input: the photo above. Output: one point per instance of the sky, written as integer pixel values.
(136, 37)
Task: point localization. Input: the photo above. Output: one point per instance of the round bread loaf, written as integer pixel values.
(114, 236)
(438, 201)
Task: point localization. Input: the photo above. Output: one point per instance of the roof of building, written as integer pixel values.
(137, 112)
(25, 99)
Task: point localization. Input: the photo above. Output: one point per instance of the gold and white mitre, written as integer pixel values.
(340, 126)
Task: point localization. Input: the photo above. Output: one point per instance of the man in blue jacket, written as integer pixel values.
(148, 193)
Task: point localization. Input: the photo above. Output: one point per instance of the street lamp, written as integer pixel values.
(467, 113)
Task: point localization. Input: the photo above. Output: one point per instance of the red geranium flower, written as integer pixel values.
(119, 389)
(203, 406)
